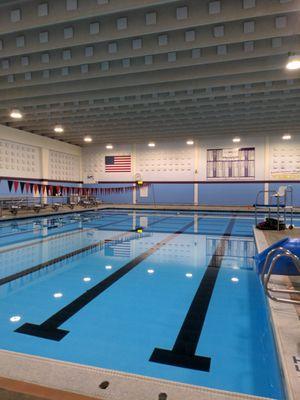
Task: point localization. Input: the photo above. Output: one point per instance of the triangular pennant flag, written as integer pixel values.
(16, 185)
(27, 187)
(10, 184)
(31, 187)
(39, 188)
(22, 185)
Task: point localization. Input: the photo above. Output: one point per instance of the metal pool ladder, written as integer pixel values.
(267, 272)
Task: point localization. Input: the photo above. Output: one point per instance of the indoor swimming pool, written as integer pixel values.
(164, 294)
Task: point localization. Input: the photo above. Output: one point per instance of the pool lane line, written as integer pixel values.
(54, 227)
(233, 235)
(183, 353)
(49, 329)
(56, 236)
(50, 236)
(95, 246)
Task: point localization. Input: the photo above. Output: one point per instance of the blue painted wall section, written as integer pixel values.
(166, 193)
(229, 194)
(296, 190)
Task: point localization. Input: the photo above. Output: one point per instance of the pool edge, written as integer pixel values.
(85, 380)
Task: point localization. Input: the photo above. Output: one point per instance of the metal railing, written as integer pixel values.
(267, 272)
(276, 203)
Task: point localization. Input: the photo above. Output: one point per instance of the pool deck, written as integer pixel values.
(41, 374)
(285, 317)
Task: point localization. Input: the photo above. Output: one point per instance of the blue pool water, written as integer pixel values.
(180, 301)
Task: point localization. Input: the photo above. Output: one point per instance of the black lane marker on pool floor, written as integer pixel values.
(49, 328)
(183, 353)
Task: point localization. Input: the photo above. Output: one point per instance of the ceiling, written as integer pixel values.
(134, 70)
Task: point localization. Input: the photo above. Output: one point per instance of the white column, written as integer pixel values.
(267, 168)
(44, 170)
(133, 163)
(196, 173)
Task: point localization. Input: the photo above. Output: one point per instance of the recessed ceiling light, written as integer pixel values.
(15, 318)
(234, 279)
(189, 275)
(16, 114)
(236, 140)
(150, 271)
(58, 129)
(57, 295)
(190, 142)
(87, 279)
(88, 139)
(109, 146)
(287, 137)
(293, 62)
(151, 144)
(108, 267)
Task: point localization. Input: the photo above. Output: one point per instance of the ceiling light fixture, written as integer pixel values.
(58, 129)
(109, 146)
(287, 137)
(88, 139)
(236, 140)
(293, 62)
(16, 114)
(151, 144)
(190, 142)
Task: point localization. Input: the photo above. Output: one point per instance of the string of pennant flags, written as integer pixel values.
(51, 190)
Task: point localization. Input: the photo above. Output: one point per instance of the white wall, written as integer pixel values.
(284, 159)
(93, 163)
(175, 161)
(167, 161)
(25, 155)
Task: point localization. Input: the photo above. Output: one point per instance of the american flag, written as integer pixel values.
(118, 163)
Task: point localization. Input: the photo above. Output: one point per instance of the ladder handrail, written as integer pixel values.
(265, 279)
(269, 255)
